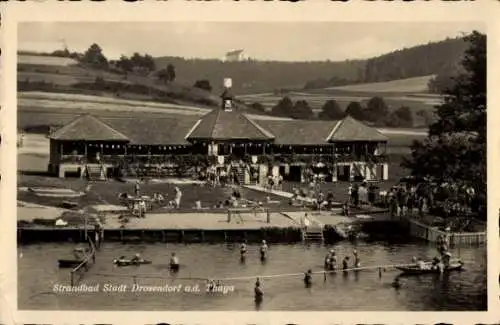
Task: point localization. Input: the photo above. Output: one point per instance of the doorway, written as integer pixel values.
(344, 173)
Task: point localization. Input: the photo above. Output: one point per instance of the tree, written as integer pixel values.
(283, 108)
(401, 117)
(355, 110)
(301, 111)
(125, 64)
(171, 72)
(440, 83)
(426, 116)
(258, 107)
(376, 109)
(331, 111)
(94, 57)
(163, 76)
(455, 149)
(203, 84)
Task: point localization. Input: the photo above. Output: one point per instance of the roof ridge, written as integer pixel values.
(67, 126)
(108, 126)
(369, 126)
(335, 128)
(63, 130)
(214, 122)
(257, 126)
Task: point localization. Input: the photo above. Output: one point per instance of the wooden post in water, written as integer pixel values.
(268, 214)
(85, 228)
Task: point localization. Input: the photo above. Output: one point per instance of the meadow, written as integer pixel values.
(409, 92)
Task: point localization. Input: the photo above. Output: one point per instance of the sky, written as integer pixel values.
(283, 41)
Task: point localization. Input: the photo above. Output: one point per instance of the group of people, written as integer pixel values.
(406, 198)
(140, 204)
(361, 194)
(331, 261)
(263, 249)
(274, 182)
(440, 262)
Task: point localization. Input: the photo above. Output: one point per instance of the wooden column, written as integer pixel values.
(62, 152)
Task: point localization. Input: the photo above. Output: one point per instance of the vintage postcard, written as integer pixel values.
(227, 160)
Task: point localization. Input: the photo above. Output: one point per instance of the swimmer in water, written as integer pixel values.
(263, 250)
(328, 259)
(258, 292)
(397, 283)
(357, 261)
(345, 263)
(174, 263)
(243, 250)
(333, 261)
(308, 278)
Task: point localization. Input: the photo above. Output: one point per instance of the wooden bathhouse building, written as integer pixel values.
(249, 147)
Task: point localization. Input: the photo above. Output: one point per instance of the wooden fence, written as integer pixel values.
(431, 234)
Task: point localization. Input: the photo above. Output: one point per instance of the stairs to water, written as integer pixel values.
(95, 172)
(313, 236)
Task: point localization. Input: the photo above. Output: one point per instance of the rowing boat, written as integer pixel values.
(130, 262)
(68, 263)
(415, 270)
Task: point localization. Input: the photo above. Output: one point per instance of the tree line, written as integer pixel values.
(375, 112)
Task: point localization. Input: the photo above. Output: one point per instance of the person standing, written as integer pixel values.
(137, 188)
(263, 251)
(178, 197)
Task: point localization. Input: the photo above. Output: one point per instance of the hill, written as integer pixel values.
(270, 76)
(63, 75)
(260, 76)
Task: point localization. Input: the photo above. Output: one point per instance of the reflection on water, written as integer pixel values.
(362, 290)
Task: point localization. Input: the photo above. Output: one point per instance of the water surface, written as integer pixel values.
(362, 291)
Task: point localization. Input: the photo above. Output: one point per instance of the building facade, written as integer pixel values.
(224, 140)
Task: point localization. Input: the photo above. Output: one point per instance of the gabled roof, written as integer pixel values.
(299, 132)
(162, 130)
(350, 129)
(227, 125)
(90, 128)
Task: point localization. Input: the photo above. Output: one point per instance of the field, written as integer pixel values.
(406, 92)
(45, 60)
(409, 85)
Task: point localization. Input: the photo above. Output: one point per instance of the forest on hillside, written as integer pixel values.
(436, 58)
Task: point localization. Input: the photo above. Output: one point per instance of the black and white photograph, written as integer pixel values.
(251, 166)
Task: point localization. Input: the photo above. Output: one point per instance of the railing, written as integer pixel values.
(431, 234)
(85, 261)
(174, 159)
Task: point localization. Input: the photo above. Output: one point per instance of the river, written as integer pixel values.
(362, 291)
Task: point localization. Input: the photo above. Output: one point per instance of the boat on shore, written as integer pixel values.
(415, 270)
